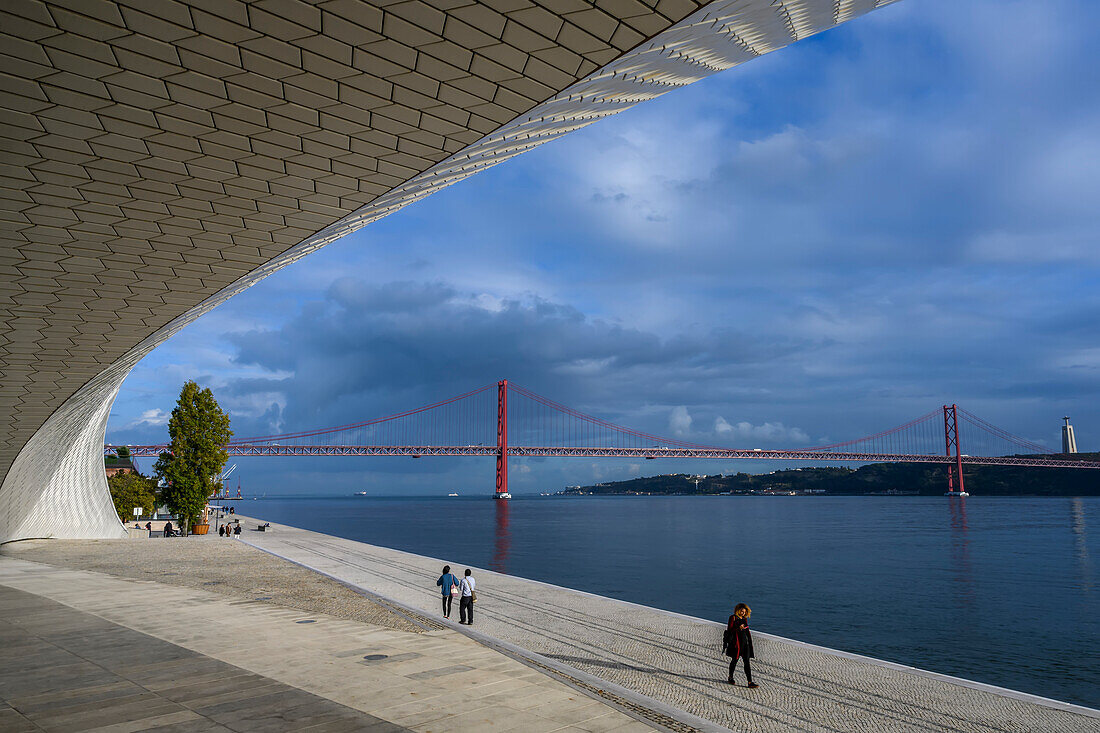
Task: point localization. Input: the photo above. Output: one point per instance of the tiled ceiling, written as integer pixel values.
(161, 157)
(156, 152)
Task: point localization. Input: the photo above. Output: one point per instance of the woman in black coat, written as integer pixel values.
(737, 641)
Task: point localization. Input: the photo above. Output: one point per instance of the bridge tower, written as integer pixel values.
(502, 440)
(951, 442)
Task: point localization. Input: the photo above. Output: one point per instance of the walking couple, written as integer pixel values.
(464, 588)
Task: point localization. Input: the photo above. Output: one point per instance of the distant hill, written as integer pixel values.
(874, 478)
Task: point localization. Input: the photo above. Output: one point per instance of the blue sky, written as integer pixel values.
(814, 246)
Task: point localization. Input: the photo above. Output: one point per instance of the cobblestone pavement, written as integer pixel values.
(189, 659)
(675, 659)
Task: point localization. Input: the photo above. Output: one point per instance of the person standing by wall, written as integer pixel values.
(449, 583)
(466, 602)
(737, 642)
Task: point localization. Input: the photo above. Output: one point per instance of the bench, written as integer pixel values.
(263, 527)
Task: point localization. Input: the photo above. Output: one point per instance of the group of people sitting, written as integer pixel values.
(226, 530)
(169, 530)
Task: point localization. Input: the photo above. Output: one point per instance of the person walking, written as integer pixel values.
(737, 642)
(469, 597)
(449, 583)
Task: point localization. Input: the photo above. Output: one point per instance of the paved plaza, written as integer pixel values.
(102, 653)
(675, 660)
(68, 670)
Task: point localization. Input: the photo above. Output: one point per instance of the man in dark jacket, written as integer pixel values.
(737, 642)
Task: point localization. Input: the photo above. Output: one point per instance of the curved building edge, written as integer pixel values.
(57, 486)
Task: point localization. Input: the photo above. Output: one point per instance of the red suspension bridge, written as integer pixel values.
(528, 424)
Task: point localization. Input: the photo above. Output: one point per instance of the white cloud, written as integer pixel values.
(772, 432)
(680, 420)
(155, 416)
(254, 404)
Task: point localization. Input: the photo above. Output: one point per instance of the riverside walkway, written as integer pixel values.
(89, 651)
(65, 669)
(653, 658)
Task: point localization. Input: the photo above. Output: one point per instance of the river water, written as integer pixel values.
(999, 590)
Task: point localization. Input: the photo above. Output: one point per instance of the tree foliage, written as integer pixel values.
(129, 490)
(189, 469)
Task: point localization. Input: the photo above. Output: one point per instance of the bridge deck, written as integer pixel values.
(674, 659)
(420, 451)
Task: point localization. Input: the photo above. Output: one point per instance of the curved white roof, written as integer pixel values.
(155, 165)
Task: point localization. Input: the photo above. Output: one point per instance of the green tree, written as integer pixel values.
(189, 469)
(129, 490)
(123, 452)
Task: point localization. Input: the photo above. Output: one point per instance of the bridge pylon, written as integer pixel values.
(502, 440)
(951, 441)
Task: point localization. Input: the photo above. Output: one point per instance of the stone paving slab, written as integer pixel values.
(67, 670)
(209, 562)
(142, 648)
(675, 659)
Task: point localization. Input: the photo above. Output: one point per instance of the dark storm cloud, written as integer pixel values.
(368, 349)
